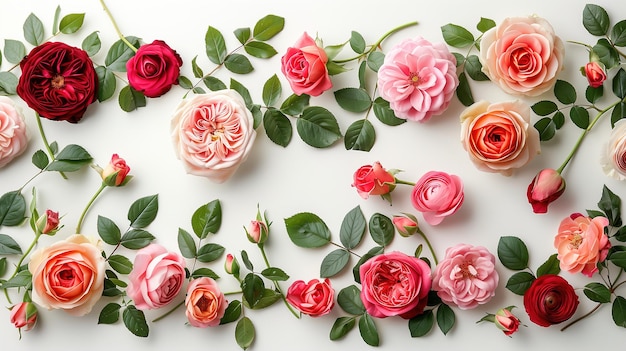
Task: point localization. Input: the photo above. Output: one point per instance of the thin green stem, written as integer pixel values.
(430, 247)
(26, 253)
(169, 312)
(276, 285)
(399, 181)
(91, 201)
(117, 29)
(45, 141)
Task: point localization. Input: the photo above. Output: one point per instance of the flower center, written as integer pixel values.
(550, 300)
(414, 79)
(576, 241)
(203, 303)
(468, 270)
(58, 82)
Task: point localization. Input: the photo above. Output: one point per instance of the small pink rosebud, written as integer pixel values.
(231, 266)
(116, 172)
(405, 225)
(257, 232)
(24, 315)
(506, 321)
(546, 187)
(48, 223)
(594, 71)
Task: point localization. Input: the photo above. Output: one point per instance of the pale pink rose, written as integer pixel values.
(304, 66)
(213, 134)
(466, 277)
(315, 298)
(68, 275)
(522, 55)
(581, 243)
(157, 277)
(205, 303)
(437, 195)
(13, 134)
(257, 232)
(613, 159)
(418, 79)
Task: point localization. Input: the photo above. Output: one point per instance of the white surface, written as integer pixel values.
(299, 178)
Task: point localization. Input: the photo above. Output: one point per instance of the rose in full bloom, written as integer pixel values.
(437, 195)
(13, 133)
(116, 172)
(304, 66)
(394, 284)
(48, 223)
(466, 277)
(594, 71)
(58, 81)
(205, 303)
(522, 55)
(68, 275)
(547, 186)
(157, 277)
(23, 315)
(406, 225)
(506, 321)
(418, 79)
(213, 134)
(373, 180)
(549, 300)
(153, 69)
(581, 243)
(613, 158)
(314, 298)
(499, 137)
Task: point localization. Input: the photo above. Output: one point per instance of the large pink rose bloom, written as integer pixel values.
(437, 195)
(522, 55)
(418, 79)
(613, 159)
(304, 66)
(581, 243)
(213, 134)
(466, 277)
(13, 135)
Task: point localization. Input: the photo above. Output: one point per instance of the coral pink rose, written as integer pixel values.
(315, 298)
(68, 275)
(304, 66)
(613, 158)
(213, 134)
(116, 172)
(153, 69)
(466, 277)
(547, 186)
(13, 133)
(437, 195)
(418, 79)
(522, 55)
(549, 300)
(23, 315)
(157, 277)
(205, 303)
(373, 180)
(394, 284)
(595, 74)
(499, 137)
(581, 243)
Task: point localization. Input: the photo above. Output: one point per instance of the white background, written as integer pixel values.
(298, 178)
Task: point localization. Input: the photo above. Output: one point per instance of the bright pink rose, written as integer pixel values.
(315, 298)
(499, 137)
(115, 173)
(153, 69)
(157, 277)
(373, 180)
(213, 134)
(304, 66)
(205, 303)
(595, 74)
(394, 284)
(466, 277)
(13, 133)
(23, 315)
(522, 55)
(437, 195)
(547, 186)
(581, 243)
(418, 79)
(613, 159)
(68, 275)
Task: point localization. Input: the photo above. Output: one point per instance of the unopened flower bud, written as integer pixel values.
(48, 223)
(546, 187)
(506, 321)
(116, 172)
(231, 266)
(595, 73)
(24, 315)
(257, 232)
(405, 225)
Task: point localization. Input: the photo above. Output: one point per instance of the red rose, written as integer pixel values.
(550, 300)
(595, 74)
(154, 69)
(58, 81)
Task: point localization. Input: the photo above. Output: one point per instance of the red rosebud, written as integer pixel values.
(24, 315)
(506, 321)
(373, 180)
(116, 172)
(48, 223)
(546, 187)
(595, 74)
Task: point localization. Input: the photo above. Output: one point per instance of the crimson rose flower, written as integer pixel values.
(550, 300)
(58, 81)
(154, 69)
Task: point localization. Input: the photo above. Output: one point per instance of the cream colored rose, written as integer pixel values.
(613, 158)
(13, 135)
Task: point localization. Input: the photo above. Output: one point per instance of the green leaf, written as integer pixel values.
(271, 90)
(275, 274)
(267, 27)
(456, 36)
(360, 135)
(546, 128)
(513, 253)
(8, 246)
(618, 258)
(207, 219)
(341, 327)
(318, 127)
(307, 230)
(65, 166)
(362, 80)
(607, 54)
(8, 83)
(618, 33)
(120, 264)
(580, 116)
(33, 30)
(611, 205)
(421, 324)
(558, 120)
(120, 53)
(3, 267)
(197, 71)
(357, 43)
(74, 152)
(214, 84)
(244, 332)
(131, 99)
(385, 114)
(91, 44)
(204, 272)
(14, 50)
(620, 235)
(143, 211)
(473, 67)
(238, 63)
(40, 159)
(618, 311)
(594, 94)
(353, 99)
(277, 127)
(242, 90)
(349, 299)
(595, 20)
(544, 107)
(445, 318)
(619, 112)
(185, 82)
(295, 104)
(22, 280)
(215, 46)
(242, 34)
(259, 49)
(519, 282)
(551, 266)
(334, 263)
(135, 321)
(619, 84)
(485, 24)
(232, 313)
(463, 91)
(375, 59)
(269, 298)
(252, 287)
(246, 260)
(381, 229)
(109, 232)
(352, 228)
(55, 21)
(106, 83)
(186, 244)
(368, 330)
(210, 252)
(564, 92)
(597, 292)
(135, 239)
(110, 313)
(71, 23)
(12, 209)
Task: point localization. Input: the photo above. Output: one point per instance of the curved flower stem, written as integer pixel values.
(399, 181)
(117, 29)
(169, 312)
(582, 317)
(430, 247)
(267, 263)
(93, 198)
(19, 263)
(45, 141)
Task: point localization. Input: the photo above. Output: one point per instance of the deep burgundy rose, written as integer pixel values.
(154, 69)
(550, 300)
(58, 81)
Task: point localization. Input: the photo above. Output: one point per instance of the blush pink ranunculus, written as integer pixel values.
(437, 195)
(157, 277)
(613, 158)
(13, 132)
(373, 180)
(395, 284)
(581, 243)
(205, 303)
(499, 137)
(213, 134)
(418, 79)
(314, 298)
(466, 277)
(304, 66)
(522, 55)
(68, 275)
(153, 69)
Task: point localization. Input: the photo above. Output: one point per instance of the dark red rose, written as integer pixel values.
(550, 300)
(58, 81)
(154, 69)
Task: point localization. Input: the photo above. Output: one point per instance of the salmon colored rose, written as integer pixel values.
(594, 71)
(68, 275)
(373, 180)
(13, 133)
(581, 243)
(522, 55)
(549, 300)
(314, 298)
(613, 158)
(547, 186)
(23, 315)
(304, 66)
(499, 137)
(153, 69)
(205, 303)
(437, 195)
(116, 172)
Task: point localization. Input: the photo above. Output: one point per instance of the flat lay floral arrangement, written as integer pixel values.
(122, 271)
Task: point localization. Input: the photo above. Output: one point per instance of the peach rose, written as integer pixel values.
(613, 159)
(68, 275)
(13, 135)
(581, 243)
(205, 303)
(522, 55)
(499, 137)
(213, 134)
(304, 66)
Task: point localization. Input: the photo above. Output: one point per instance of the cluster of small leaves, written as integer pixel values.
(468, 64)
(597, 22)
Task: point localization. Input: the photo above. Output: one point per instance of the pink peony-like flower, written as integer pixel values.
(466, 277)
(213, 134)
(522, 55)
(205, 303)
(418, 79)
(153, 69)
(547, 186)
(594, 71)
(304, 66)
(437, 195)
(314, 298)
(13, 133)
(581, 243)
(499, 137)
(613, 158)
(373, 180)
